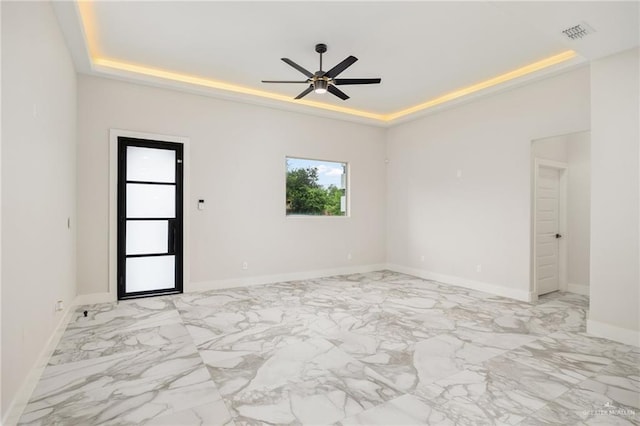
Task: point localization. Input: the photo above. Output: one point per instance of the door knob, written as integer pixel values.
(558, 236)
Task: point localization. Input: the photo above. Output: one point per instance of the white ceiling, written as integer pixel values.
(421, 50)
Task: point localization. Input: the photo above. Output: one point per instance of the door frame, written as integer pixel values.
(114, 134)
(563, 170)
(174, 241)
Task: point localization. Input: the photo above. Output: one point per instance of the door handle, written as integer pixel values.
(558, 236)
(172, 236)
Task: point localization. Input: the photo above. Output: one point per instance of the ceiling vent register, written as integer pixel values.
(578, 31)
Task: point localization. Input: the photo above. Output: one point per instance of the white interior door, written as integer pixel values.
(547, 230)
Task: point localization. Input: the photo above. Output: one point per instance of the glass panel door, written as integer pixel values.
(149, 218)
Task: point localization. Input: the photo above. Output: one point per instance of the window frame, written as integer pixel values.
(347, 189)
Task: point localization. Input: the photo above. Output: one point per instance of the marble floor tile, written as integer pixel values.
(519, 323)
(559, 358)
(618, 389)
(621, 368)
(563, 296)
(445, 355)
(558, 315)
(212, 414)
(590, 403)
(129, 315)
(131, 400)
(482, 335)
(310, 381)
(94, 345)
(478, 395)
(404, 410)
(372, 348)
(128, 387)
(534, 381)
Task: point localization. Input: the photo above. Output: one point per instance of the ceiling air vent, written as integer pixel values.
(578, 31)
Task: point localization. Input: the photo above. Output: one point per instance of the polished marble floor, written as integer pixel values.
(377, 348)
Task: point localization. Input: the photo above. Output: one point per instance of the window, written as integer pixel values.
(316, 187)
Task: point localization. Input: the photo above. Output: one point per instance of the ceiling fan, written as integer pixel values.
(326, 81)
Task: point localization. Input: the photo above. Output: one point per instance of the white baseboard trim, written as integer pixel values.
(578, 289)
(613, 332)
(268, 279)
(90, 299)
(94, 298)
(20, 401)
(511, 293)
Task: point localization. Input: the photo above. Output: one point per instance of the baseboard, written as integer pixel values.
(578, 289)
(20, 401)
(94, 298)
(90, 299)
(269, 279)
(523, 295)
(613, 332)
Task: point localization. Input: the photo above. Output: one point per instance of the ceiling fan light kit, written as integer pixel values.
(325, 81)
(320, 86)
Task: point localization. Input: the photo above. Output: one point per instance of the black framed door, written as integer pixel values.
(150, 222)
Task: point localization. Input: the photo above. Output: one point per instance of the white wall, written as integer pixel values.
(552, 148)
(38, 185)
(579, 210)
(615, 205)
(238, 166)
(483, 217)
(1, 403)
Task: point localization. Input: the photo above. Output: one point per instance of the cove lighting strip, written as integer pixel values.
(88, 23)
(214, 84)
(502, 78)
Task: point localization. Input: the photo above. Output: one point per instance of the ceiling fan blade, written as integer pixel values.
(333, 72)
(305, 93)
(335, 91)
(298, 67)
(342, 81)
(284, 81)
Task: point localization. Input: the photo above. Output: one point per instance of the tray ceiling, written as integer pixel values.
(428, 54)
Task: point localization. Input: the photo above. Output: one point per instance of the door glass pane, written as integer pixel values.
(147, 236)
(150, 273)
(149, 201)
(151, 164)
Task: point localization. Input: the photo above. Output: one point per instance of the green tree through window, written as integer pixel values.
(314, 187)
